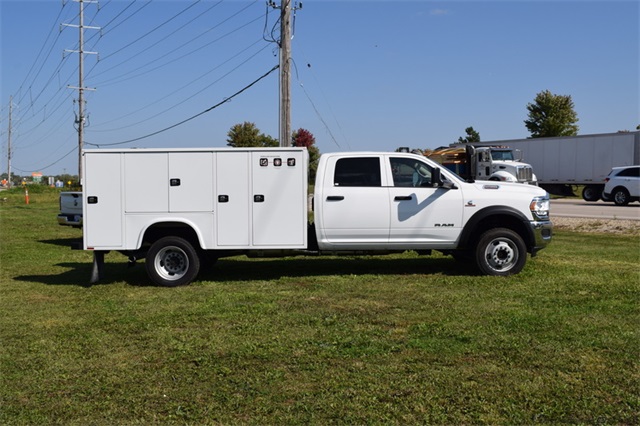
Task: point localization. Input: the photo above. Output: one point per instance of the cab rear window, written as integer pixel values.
(358, 171)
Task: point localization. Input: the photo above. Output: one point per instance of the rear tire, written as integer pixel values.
(591, 193)
(500, 252)
(621, 197)
(172, 262)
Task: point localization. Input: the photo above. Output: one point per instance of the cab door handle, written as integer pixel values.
(403, 198)
(335, 198)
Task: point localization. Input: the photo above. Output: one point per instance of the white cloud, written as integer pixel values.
(438, 12)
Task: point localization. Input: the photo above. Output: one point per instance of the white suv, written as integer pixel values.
(622, 185)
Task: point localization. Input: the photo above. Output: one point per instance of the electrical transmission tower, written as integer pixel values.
(80, 118)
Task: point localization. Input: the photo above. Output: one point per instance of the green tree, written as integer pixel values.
(304, 138)
(472, 136)
(248, 135)
(551, 115)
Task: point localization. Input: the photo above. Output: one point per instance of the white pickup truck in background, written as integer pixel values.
(70, 209)
(183, 208)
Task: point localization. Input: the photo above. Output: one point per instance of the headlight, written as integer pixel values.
(540, 207)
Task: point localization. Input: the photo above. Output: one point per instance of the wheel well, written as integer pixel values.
(472, 234)
(620, 187)
(174, 229)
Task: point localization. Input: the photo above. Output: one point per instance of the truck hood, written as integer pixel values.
(514, 187)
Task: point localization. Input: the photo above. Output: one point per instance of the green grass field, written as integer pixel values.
(394, 339)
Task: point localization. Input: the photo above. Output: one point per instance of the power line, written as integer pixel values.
(49, 165)
(128, 17)
(169, 53)
(193, 116)
(180, 89)
(45, 103)
(35, 61)
(326, 126)
(325, 99)
(55, 72)
(157, 27)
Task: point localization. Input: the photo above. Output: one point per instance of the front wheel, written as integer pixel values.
(621, 197)
(172, 261)
(500, 252)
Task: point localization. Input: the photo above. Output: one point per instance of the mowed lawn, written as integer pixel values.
(400, 339)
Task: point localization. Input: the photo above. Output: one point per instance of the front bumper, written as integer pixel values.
(542, 233)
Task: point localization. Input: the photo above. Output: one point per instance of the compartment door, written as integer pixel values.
(147, 185)
(103, 218)
(190, 182)
(232, 199)
(278, 199)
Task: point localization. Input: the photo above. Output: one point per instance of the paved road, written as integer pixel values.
(574, 207)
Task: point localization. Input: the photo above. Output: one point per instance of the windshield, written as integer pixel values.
(501, 155)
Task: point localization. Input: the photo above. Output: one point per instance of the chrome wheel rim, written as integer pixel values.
(171, 263)
(501, 254)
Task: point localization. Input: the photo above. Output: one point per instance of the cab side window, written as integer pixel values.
(358, 171)
(408, 172)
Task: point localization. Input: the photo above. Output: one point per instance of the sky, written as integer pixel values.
(366, 75)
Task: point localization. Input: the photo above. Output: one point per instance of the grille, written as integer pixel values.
(525, 173)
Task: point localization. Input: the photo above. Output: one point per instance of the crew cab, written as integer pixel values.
(183, 208)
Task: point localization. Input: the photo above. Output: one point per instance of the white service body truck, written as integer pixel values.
(183, 208)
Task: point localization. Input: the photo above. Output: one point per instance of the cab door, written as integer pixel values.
(355, 204)
(421, 214)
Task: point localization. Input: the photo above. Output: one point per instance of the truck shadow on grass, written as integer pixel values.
(79, 274)
(245, 269)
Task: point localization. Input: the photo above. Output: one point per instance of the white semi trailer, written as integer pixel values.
(560, 163)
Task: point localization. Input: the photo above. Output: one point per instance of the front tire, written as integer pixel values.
(621, 197)
(172, 262)
(500, 252)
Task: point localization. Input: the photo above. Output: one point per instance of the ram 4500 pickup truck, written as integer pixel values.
(183, 208)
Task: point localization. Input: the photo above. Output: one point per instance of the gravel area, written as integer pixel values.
(607, 226)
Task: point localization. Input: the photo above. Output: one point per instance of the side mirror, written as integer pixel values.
(518, 155)
(436, 177)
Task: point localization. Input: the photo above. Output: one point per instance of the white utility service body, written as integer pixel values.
(183, 208)
(230, 198)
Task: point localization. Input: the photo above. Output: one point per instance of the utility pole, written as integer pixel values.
(80, 118)
(9, 144)
(285, 73)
